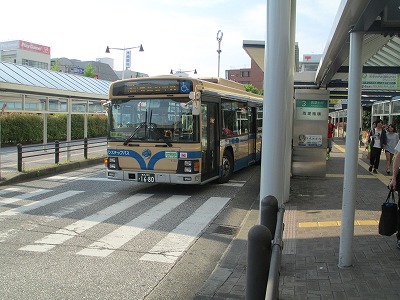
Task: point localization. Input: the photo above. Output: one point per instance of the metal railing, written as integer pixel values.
(265, 245)
(78, 148)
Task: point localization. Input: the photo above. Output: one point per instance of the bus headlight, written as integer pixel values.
(188, 166)
(112, 163)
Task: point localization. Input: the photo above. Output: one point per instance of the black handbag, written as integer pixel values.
(388, 220)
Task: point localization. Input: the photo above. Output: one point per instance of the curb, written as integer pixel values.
(23, 176)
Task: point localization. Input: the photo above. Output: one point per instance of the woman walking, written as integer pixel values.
(392, 138)
(378, 143)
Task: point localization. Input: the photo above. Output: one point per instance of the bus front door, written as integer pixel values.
(209, 140)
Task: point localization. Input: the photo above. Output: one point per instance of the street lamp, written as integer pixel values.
(220, 34)
(123, 58)
(181, 72)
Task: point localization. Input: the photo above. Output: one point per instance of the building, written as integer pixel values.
(310, 62)
(25, 53)
(130, 74)
(253, 75)
(102, 70)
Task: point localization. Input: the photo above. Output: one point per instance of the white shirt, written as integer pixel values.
(377, 138)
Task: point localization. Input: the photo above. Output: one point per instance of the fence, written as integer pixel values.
(264, 253)
(51, 153)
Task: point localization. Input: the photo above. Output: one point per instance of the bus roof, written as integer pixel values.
(212, 84)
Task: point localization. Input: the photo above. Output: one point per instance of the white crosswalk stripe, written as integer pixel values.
(63, 235)
(5, 201)
(169, 249)
(125, 233)
(8, 190)
(36, 204)
(72, 178)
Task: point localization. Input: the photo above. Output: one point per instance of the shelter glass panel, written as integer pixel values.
(396, 107)
(95, 107)
(13, 100)
(35, 103)
(386, 108)
(378, 109)
(79, 106)
(58, 105)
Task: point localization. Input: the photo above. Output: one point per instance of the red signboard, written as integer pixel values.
(34, 47)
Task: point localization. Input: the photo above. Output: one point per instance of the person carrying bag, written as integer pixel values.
(389, 214)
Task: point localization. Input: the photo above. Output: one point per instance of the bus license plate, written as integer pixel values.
(145, 177)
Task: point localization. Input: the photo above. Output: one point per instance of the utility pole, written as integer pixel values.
(220, 34)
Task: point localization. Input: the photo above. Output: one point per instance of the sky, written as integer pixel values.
(175, 34)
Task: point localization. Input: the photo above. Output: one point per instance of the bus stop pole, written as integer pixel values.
(351, 155)
(276, 81)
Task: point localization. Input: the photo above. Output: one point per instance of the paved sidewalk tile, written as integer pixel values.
(311, 253)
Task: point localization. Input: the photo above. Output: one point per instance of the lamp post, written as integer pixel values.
(182, 72)
(220, 34)
(123, 58)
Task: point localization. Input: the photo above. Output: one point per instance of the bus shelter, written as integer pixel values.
(360, 62)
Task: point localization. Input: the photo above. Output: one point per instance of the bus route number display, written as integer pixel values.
(149, 87)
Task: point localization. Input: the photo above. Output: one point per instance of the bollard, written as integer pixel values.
(269, 213)
(57, 152)
(19, 157)
(85, 147)
(258, 261)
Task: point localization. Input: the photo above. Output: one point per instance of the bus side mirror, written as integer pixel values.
(196, 108)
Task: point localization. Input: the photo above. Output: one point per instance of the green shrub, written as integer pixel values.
(28, 128)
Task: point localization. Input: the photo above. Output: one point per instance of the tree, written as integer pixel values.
(89, 71)
(250, 88)
(56, 66)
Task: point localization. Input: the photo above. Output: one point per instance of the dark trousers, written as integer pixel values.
(375, 157)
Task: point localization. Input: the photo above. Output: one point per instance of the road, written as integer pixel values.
(78, 235)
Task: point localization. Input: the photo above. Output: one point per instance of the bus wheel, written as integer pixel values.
(227, 167)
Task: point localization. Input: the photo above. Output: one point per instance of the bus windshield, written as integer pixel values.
(152, 120)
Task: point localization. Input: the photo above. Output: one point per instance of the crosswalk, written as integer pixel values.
(17, 204)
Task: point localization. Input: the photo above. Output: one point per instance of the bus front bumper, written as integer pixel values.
(154, 177)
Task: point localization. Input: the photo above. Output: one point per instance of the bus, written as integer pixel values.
(181, 130)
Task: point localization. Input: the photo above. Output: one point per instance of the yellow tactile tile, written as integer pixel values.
(336, 223)
(308, 224)
(367, 222)
(328, 224)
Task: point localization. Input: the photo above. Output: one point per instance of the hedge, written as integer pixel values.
(28, 128)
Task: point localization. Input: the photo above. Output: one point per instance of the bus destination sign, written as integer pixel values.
(148, 87)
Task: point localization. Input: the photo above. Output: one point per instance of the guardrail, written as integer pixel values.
(264, 252)
(57, 150)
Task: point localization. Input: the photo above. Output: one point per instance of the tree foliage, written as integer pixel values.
(56, 66)
(250, 88)
(89, 71)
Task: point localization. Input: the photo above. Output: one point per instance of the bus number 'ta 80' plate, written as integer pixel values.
(145, 177)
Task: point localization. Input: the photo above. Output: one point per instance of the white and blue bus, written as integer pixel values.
(171, 129)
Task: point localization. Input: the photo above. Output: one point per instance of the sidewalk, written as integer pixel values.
(309, 267)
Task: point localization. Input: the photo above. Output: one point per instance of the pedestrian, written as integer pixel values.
(331, 127)
(393, 183)
(378, 143)
(392, 139)
(369, 139)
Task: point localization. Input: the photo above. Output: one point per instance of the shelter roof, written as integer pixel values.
(20, 78)
(379, 20)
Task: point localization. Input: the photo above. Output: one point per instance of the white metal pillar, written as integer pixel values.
(289, 105)
(276, 81)
(351, 155)
(69, 128)
(45, 118)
